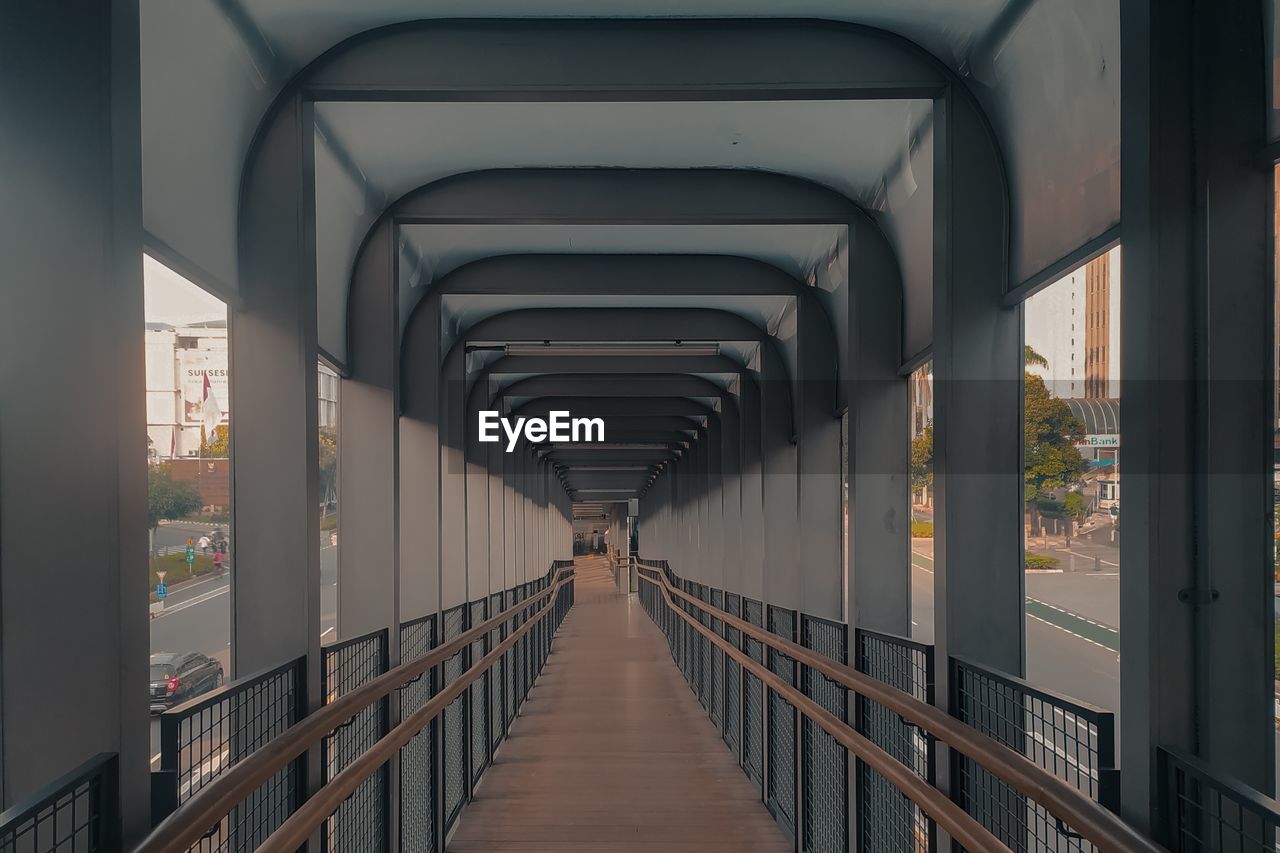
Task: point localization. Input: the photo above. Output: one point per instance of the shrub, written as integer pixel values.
(176, 570)
(921, 529)
(1040, 561)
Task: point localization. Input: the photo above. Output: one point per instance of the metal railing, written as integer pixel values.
(418, 757)
(1073, 809)
(1071, 740)
(363, 823)
(825, 804)
(422, 743)
(203, 739)
(74, 813)
(1208, 814)
(885, 819)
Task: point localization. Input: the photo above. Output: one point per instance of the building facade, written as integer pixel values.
(178, 360)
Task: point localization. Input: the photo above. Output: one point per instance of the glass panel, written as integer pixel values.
(1275, 517)
(1071, 447)
(844, 514)
(189, 475)
(328, 385)
(922, 503)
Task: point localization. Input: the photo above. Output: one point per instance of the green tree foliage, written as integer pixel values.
(1073, 506)
(1050, 432)
(328, 464)
(922, 459)
(218, 445)
(167, 498)
(1031, 358)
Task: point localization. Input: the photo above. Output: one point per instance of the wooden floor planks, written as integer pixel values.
(612, 751)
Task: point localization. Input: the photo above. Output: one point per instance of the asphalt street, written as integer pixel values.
(1073, 637)
(197, 617)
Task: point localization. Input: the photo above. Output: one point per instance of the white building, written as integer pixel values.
(1055, 328)
(178, 360)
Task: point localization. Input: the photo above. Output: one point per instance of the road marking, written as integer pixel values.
(1087, 557)
(155, 758)
(207, 769)
(1070, 761)
(327, 631)
(192, 602)
(1081, 627)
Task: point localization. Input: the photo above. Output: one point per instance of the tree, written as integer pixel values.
(1050, 432)
(1031, 358)
(922, 459)
(218, 445)
(1073, 506)
(167, 498)
(328, 467)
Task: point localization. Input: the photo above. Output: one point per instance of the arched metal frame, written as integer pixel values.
(976, 343)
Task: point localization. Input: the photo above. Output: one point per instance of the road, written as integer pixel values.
(1073, 642)
(197, 618)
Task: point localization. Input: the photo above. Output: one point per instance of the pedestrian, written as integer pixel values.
(217, 561)
(204, 544)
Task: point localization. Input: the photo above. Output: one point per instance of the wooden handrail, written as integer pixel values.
(962, 826)
(295, 831)
(1065, 802)
(188, 823)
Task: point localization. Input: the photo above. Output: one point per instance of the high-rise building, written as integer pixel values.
(1097, 327)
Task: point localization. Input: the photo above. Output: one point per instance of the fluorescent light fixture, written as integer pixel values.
(603, 491)
(598, 349)
(656, 445)
(592, 468)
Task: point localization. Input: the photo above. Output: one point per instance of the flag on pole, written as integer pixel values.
(212, 411)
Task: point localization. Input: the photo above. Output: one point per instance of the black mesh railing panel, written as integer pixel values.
(826, 762)
(417, 757)
(705, 673)
(732, 676)
(479, 701)
(497, 682)
(753, 699)
(886, 819)
(453, 741)
(361, 823)
(1208, 815)
(1074, 742)
(510, 676)
(782, 728)
(201, 739)
(76, 814)
(715, 692)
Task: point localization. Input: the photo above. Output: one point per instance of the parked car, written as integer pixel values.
(175, 678)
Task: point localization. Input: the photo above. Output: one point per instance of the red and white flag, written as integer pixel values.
(212, 411)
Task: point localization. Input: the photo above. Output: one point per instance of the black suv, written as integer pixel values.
(175, 678)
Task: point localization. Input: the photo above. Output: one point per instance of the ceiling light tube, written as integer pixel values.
(598, 349)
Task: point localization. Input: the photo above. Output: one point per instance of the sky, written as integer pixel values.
(170, 298)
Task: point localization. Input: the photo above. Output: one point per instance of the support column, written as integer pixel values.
(1198, 361)
(821, 570)
(879, 540)
(419, 468)
(368, 451)
(71, 329)
(753, 532)
(977, 428)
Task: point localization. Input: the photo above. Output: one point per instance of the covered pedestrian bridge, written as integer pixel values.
(746, 237)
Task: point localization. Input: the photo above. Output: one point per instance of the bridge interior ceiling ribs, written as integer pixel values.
(748, 238)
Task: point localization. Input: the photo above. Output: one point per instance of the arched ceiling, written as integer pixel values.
(1047, 72)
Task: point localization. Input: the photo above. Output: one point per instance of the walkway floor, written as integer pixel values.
(612, 751)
